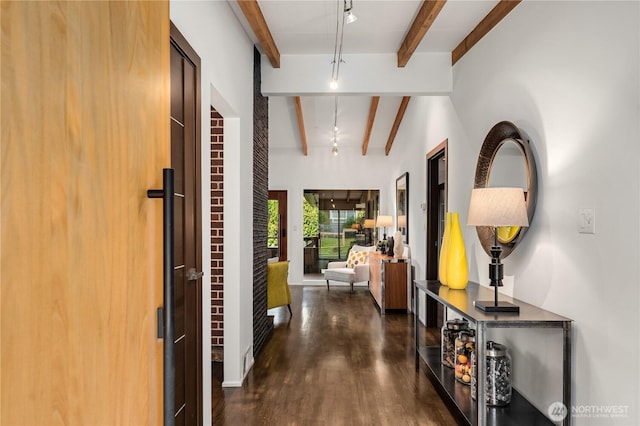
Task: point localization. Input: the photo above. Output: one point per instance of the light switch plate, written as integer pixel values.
(587, 221)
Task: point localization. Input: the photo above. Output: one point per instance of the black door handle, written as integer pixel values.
(166, 193)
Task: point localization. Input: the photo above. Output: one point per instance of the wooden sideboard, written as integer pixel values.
(388, 281)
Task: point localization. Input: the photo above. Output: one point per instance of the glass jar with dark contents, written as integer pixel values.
(448, 340)
(498, 383)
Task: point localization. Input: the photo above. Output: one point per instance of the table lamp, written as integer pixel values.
(383, 222)
(497, 207)
(369, 224)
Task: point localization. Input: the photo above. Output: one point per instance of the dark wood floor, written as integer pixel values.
(336, 362)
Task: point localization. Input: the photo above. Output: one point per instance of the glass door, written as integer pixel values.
(338, 233)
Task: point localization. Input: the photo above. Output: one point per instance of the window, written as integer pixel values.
(277, 225)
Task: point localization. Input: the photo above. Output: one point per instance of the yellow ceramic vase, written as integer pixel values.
(444, 251)
(457, 269)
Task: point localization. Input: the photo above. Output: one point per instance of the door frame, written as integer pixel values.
(180, 42)
(433, 234)
(281, 197)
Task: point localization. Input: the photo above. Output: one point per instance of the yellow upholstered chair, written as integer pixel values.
(278, 293)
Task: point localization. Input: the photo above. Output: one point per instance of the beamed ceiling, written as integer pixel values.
(395, 50)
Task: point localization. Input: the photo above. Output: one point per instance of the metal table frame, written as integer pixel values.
(529, 317)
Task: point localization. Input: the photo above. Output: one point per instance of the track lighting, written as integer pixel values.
(334, 149)
(351, 18)
(348, 17)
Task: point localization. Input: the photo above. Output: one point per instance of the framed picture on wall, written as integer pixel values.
(402, 206)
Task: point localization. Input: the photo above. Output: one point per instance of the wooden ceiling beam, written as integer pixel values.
(303, 135)
(492, 19)
(252, 12)
(426, 15)
(396, 124)
(372, 116)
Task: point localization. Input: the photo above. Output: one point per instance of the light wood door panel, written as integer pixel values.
(85, 101)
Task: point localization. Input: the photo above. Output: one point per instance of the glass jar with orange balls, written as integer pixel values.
(465, 346)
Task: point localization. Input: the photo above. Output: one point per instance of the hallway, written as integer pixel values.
(336, 362)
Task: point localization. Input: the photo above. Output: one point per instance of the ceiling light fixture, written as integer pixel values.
(334, 150)
(351, 18)
(348, 17)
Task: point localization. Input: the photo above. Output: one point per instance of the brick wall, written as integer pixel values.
(262, 325)
(217, 164)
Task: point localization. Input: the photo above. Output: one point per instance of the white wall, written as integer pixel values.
(290, 170)
(567, 73)
(574, 90)
(227, 84)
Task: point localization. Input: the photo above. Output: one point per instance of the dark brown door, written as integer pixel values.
(185, 160)
(436, 210)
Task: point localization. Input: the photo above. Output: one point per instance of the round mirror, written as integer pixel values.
(506, 160)
(508, 169)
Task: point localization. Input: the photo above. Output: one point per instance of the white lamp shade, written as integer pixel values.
(497, 207)
(384, 221)
(402, 221)
(369, 223)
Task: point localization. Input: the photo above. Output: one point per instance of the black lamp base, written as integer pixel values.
(490, 306)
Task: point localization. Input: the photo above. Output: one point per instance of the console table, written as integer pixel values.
(458, 396)
(388, 281)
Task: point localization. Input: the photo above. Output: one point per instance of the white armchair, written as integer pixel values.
(341, 272)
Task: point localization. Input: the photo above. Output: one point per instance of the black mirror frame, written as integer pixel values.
(497, 136)
(405, 234)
